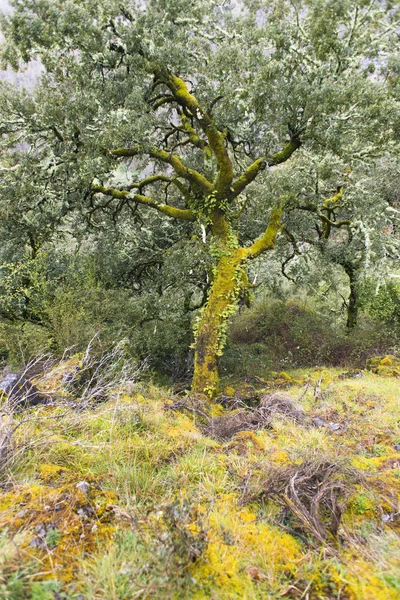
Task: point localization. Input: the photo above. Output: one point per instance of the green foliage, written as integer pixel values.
(16, 578)
(53, 537)
(159, 560)
(23, 285)
(278, 334)
(363, 503)
(21, 341)
(382, 302)
(69, 298)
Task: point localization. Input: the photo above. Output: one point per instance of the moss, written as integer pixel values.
(80, 521)
(248, 176)
(170, 211)
(229, 391)
(363, 583)
(372, 463)
(388, 360)
(182, 428)
(239, 540)
(245, 442)
(386, 366)
(286, 153)
(51, 473)
(216, 409)
(268, 239)
(135, 473)
(363, 503)
(212, 326)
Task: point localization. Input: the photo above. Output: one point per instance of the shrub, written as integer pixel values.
(278, 334)
(382, 304)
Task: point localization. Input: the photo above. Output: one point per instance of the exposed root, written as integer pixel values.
(315, 493)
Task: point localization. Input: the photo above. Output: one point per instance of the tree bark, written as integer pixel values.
(230, 282)
(353, 301)
(212, 326)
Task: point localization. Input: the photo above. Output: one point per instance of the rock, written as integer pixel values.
(21, 513)
(19, 392)
(351, 375)
(83, 486)
(318, 422)
(387, 517)
(82, 514)
(334, 427)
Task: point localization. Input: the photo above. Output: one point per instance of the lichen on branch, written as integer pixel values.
(125, 195)
(268, 239)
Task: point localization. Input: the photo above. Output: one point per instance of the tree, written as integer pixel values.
(352, 229)
(195, 101)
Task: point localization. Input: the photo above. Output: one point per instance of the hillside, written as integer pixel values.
(147, 495)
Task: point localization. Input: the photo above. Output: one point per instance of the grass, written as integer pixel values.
(172, 513)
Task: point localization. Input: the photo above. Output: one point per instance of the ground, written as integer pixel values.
(138, 497)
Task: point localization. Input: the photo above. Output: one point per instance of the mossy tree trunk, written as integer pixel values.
(353, 300)
(212, 325)
(229, 284)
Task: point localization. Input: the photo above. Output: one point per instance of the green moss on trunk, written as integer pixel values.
(212, 325)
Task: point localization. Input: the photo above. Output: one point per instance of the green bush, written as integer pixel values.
(277, 334)
(382, 304)
(54, 303)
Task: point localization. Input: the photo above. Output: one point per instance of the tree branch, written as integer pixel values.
(170, 211)
(172, 159)
(161, 100)
(148, 180)
(166, 179)
(268, 239)
(260, 164)
(194, 138)
(216, 138)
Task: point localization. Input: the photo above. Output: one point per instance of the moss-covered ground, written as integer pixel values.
(129, 499)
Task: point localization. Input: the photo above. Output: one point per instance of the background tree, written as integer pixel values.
(348, 221)
(179, 107)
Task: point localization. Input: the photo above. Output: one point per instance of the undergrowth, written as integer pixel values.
(138, 496)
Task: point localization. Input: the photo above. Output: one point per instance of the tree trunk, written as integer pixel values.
(230, 282)
(353, 301)
(211, 328)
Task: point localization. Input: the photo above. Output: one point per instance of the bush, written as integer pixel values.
(276, 334)
(382, 304)
(54, 303)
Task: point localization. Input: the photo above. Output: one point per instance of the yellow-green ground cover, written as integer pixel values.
(169, 512)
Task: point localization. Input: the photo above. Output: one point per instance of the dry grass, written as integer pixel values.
(316, 493)
(225, 427)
